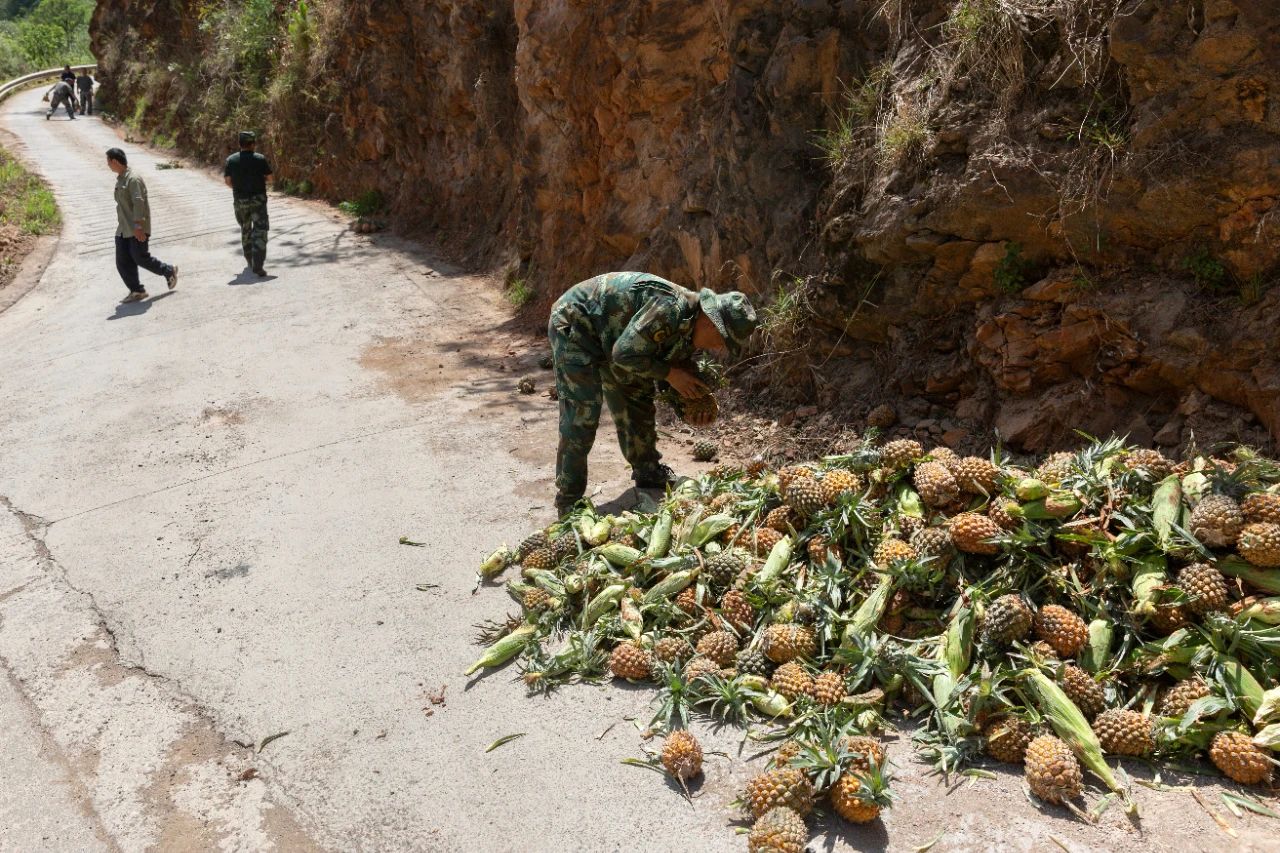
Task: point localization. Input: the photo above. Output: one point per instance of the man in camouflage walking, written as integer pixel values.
(614, 336)
(247, 173)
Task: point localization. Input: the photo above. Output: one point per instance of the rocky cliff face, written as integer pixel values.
(1033, 215)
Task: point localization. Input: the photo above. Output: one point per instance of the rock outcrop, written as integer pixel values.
(1032, 216)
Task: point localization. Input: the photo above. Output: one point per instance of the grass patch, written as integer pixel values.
(1013, 270)
(518, 292)
(24, 199)
(365, 205)
(859, 110)
(903, 134)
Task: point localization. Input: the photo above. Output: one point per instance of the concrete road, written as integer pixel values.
(210, 637)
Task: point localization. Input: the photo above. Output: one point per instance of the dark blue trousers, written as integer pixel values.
(132, 253)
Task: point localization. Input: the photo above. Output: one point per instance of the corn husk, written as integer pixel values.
(1031, 489)
(670, 586)
(496, 562)
(771, 703)
(1265, 610)
(957, 642)
(1269, 737)
(1241, 684)
(660, 538)
(869, 612)
(622, 556)
(1166, 509)
(1148, 576)
(1267, 580)
(1269, 709)
(778, 559)
(504, 649)
(1071, 725)
(632, 619)
(604, 602)
(1097, 653)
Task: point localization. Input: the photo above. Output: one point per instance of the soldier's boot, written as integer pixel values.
(655, 476)
(258, 260)
(565, 503)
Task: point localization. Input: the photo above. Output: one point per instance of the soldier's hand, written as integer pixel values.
(686, 384)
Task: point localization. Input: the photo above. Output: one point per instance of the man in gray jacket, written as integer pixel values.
(61, 94)
(134, 217)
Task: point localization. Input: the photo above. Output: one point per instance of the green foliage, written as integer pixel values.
(71, 17)
(301, 188)
(1012, 271)
(39, 35)
(861, 106)
(24, 200)
(518, 292)
(903, 134)
(783, 320)
(40, 44)
(1207, 270)
(365, 205)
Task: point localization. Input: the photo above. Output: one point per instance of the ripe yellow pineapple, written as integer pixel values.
(1205, 587)
(1153, 462)
(761, 540)
(1055, 468)
(975, 475)
(540, 558)
(1242, 760)
(779, 830)
(1181, 696)
(789, 750)
(852, 799)
(1125, 732)
(536, 599)
(785, 643)
(867, 752)
(837, 482)
(820, 550)
(699, 666)
(1007, 739)
(890, 550)
(1062, 629)
(672, 649)
(791, 680)
(828, 688)
(682, 755)
(1259, 543)
(719, 646)
(628, 660)
(791, 473)
(900, 453)
(736, 610)
(1261, 508)
(936, 486)
(972, 533)
(1053, 773)
(999, 512)
(1216, 521)
(783, 786)
(1083, 691)
(687, 600)
(780, 519)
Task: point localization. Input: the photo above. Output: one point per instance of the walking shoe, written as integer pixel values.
(172, 278)
(657, 477)
(135, 296)
(260, 272)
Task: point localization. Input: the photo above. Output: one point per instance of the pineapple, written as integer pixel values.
(736, 610)
(1062, 629)
(1007, 739)
(566, 545)
(792, 473)
(866, 750)
(705, 451)
(780, 519)
(789, 750)
(1260, 544)
(998, 511)
(699, 666)
(700, 411)
(804, 496)
(723, 568)
(828, 688)
(859, 798)
(898, 454)
(1261, 508)
(890, 551)
(1043, 650)
(672, 650)
(1182, 695)
(1216, 521)
(837, 482)
(687, 600)
(532, 543)
(723, 502)
(935, 484)
(785, 643)
(540, 558)
(820, 550)
(719, 646)
(1056, 468)
(757, 466)
(792, 681)
(1153, 462)
(536, 599)
(945, 455)
(971, 533)
(753, 662)
(784, 786)
(1205, 587)
(682, 755)
(933, 543)
(1052, 770)
(975, 475)
(1240, 758)
(1008, 618)
(762, 539)
(1085, 693)
(779, 830)
(908, 526)
(1125, 732)
(630, 661)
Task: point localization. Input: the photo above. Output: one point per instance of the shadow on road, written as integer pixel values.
(248, 276)
(135, 309)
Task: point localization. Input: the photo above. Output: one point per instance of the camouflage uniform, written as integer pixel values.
(613, 336)
(255, 225)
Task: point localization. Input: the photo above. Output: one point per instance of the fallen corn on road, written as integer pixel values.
(203, 500)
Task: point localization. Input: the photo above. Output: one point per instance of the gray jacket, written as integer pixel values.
(132, 208)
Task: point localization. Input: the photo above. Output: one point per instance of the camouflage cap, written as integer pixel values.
(248, 137)
(732, 315)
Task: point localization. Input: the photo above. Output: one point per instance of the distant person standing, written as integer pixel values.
(247, 173)
(85, 84)
(134, 215)
(67, 75)
(61, 94)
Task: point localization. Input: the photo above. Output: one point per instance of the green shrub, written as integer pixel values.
(1012, 271)
(366, 205)
(24, 200)
(1208, 272)
(519, 293)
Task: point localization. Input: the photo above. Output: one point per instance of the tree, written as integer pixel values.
(41, 44)
(70, 16)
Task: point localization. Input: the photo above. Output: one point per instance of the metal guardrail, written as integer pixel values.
(14, 85)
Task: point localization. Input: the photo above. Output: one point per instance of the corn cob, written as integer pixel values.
(771, 703)
(1097, 652)
(670, 585)
(496, 562)
(504, 649)
(632, 620)
(1145, 583)
(957, 642)
(618, 554)
(1072, 727)
(605, 600)
(660, 538)
(1267, 580)
(869, 612)
(1240, 683)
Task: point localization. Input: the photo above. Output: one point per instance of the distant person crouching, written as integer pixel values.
(61, 94)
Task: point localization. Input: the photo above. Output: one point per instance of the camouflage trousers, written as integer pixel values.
(251, 213)
(582, 380)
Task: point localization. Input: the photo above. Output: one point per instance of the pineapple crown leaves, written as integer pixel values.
(674, 701)
(874, 788)
(827, 758)
(728, 699)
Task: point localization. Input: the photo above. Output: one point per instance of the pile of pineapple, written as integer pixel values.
(1108, 602)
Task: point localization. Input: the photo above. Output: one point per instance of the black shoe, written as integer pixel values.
(657, 477)
(260, 272)
(565, 505)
